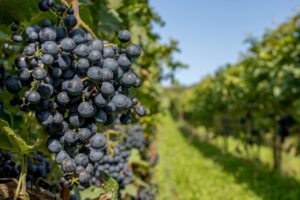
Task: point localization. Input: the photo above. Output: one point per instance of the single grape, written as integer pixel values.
(49, 47)
(133, 51)
(111, 64)
(13, 85)
(125, 119)
(43, 5)
(67, 44)
(45, 118)
(16, 37)
(76, 121)
(107, 88)
(84, 134)
(82, 64)
(108, 52)
(39, 73)
(101, 117)
(96, 45)
(86, 109)
(124, 36)
(54, 145)
(45, 90)
(33, 97)
(70, 137)
(98, 141)
(124, 61)
(99, 100)
(82, 50)
(47, 34)
(47, 59)
(95, 155)
(94, 56)
(70, 21)
(81, 159)
(68, 165)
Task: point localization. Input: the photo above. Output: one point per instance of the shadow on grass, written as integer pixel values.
(267, 184)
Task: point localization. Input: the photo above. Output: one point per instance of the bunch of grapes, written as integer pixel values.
(38, 167)
(116, 165)
(135, 137)
(145, 194)
(8, 167)
(74, 82)
(116, 162)
(2, 82)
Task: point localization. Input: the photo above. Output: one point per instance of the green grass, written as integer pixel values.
(191, 169)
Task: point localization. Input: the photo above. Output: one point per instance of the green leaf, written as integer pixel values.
(136, 159)
(110, 187)
(10, 141)
(131, 190)
(115, 4)
(109, 190)
(276, 91)
(17, 10)
(3, 36)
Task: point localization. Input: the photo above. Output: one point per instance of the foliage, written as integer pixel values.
(193, 169)
(104, 18)
(263, 84)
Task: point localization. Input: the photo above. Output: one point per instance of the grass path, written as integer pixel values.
(188, 171)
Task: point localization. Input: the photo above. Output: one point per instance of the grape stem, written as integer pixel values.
(21, 188)
(80, 22)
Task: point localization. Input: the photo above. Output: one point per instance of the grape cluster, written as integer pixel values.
(116, 165)
(8, 167)
(73, 83)
(37, 172)
(145, 194)
(38, 166)
(135, 137)
(2, 83)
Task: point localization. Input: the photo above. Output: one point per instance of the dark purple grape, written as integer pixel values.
(13, 85)
(98, 141)
(82, 50)
(68, 165)
(67, 44)
(86, 109)
(108, 52)
(124, 61)
(47, 34)
(16, 37)
(39, 73)
(33, 97)
(124, 36)
(133, 51)
(43, 5)
(70, 137)
(70, 21)
(107, 88)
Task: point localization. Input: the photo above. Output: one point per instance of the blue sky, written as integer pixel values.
(211, 33)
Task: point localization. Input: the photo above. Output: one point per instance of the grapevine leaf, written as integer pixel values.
(108, 190)
(10, 141)
(131, 190)
(3, 36)
(110, 187)
(136, 159)
(10, 10)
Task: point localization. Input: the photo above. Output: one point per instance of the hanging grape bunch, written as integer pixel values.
(116, 165)
(74, 82)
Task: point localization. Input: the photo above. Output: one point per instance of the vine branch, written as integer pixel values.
(80, 22)
(21, 188)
